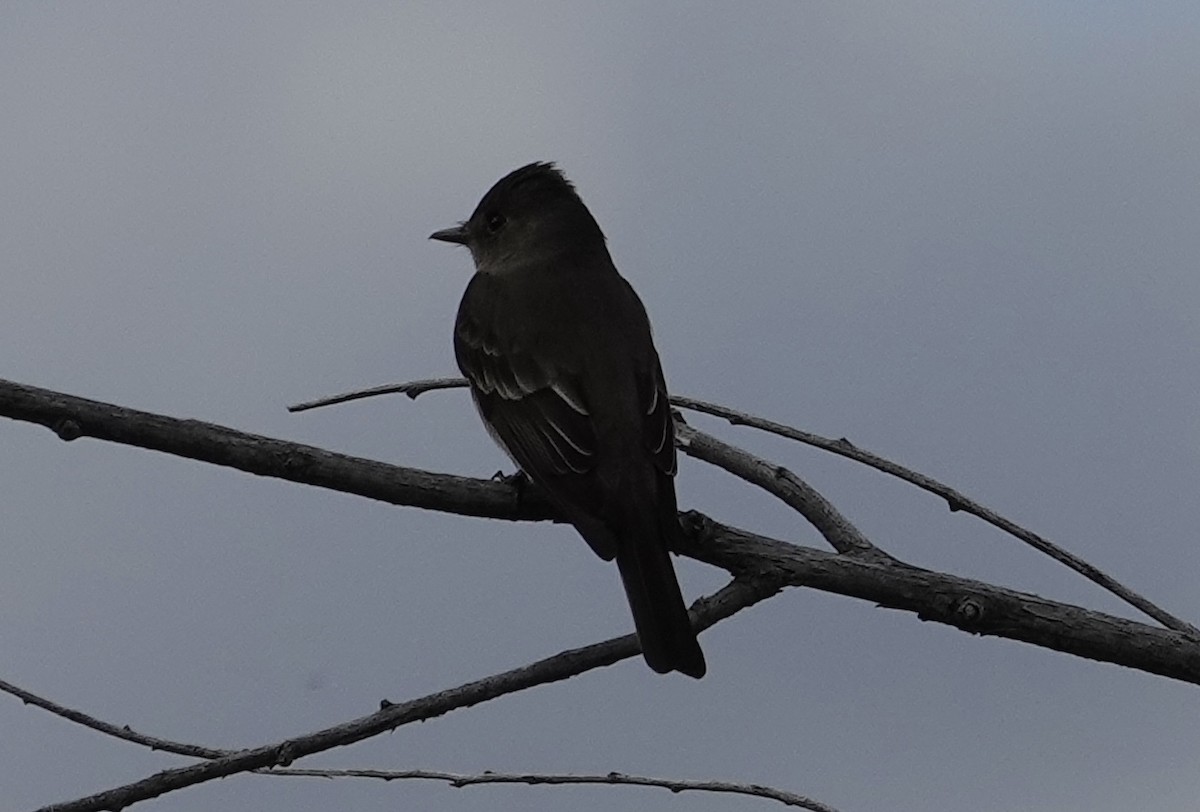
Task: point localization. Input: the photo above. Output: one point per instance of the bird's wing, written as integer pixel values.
(539, 412)
(536, 410)
(534, 404)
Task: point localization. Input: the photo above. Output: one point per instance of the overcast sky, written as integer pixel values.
(963, 235)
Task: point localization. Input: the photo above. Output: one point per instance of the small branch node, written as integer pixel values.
(67, 429)
(968, 611)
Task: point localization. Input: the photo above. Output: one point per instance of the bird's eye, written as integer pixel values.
(495, 222)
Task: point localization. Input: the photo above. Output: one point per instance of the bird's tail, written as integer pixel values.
(659, 613)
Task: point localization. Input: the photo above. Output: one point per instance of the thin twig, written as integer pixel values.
(124, 732)
(956, 501)
(839, 531)
(734, 596)
(455, 779)
(412, 388)
(675, 785)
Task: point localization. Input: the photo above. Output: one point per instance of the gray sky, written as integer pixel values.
(962, 235)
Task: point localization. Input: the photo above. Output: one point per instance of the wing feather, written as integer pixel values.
(537, 411)
(658, 428)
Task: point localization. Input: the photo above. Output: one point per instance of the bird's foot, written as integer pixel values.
(518, 480)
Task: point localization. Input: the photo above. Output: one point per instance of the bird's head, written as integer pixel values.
(531, 215)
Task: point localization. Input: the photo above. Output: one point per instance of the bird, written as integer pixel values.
(557, 350)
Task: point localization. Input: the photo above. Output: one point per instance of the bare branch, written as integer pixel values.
(966, 604)
(455, 779)
(123, 732)
(773, 478)
(412, 388)
(72, 417)
(734, 596)
(761, 567)
(841, 534)
(956, 501)
(932, 595)
(675, 785)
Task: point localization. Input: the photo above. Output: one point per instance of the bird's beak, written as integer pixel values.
(457, 235)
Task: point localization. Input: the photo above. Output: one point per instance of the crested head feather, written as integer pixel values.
(541, 181)
(543, 213)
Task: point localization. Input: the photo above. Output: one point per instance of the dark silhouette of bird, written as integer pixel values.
(562, 367)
